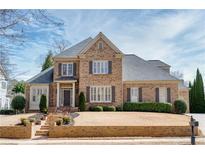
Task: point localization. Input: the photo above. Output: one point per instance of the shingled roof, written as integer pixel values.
(136, 68)
(44, 77)
(75, 49)
(158, 63)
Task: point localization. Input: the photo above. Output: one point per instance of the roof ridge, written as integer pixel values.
(73, 46)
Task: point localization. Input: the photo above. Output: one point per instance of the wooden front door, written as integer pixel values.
(67, 97)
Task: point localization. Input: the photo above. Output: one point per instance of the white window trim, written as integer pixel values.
(99, 71)
(101, 101)
(66, 69)
(131, 94)
(100, 42)
(162, 96)
(31, 95)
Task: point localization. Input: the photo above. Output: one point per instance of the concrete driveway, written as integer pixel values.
(201, 119)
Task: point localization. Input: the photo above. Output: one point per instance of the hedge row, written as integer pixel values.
(7, 112)
(103, 108)
(148, 107)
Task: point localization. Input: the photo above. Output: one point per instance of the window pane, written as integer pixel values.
(64, 69)
(70, 69)
(94, 67)
(98, 67)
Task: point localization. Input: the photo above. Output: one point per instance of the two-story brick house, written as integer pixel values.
(105, 75)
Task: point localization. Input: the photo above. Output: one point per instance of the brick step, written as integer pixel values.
(41, 133)
(44, 126)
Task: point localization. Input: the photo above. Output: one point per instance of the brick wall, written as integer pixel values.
(57, 61)
(184, 95)
(148, 89)
(16, 132)
(119, 131)
(114, 79)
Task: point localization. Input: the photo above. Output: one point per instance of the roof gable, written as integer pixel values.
(104, 38)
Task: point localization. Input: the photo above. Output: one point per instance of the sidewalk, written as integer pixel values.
(105, 141)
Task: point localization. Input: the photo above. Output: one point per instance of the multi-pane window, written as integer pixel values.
(100, 67)
(3, 85)
(134, 94)
(67, 69)
(37, 92)
(100, 45)
(100, 94)
(162, 94)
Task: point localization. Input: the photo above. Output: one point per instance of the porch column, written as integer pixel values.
(58, 92)
(73, 102)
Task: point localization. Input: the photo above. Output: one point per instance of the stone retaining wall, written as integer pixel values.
(16, 132)
(119, 131)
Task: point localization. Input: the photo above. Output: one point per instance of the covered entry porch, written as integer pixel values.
(66, 93)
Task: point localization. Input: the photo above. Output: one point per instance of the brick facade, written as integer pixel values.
(83, 78)
(148, 89)
(113, 79)
(184, 95)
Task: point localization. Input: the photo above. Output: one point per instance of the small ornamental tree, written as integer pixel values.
(18, 103)
(82, 102)
(43, 105)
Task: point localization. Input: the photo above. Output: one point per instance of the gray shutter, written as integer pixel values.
(109, 67)
(157, 94)
(90, 67)
(113, 93)
(140, 94)
(169, 95)
(59, 69)
(88, 94)
(128, 95)
(74, 69)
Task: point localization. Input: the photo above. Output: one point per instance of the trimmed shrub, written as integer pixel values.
(7, 112)
(59, 122)
(179, 106)
(82, 101)
(109, 108)
(66, 120)
(24, 121)
(148, 107)
(32, 120)
(43, 104)
(18, 103)
(96, 108)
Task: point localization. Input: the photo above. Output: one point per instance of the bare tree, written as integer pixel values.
(177, 74)
(58, 46)
(12, 24)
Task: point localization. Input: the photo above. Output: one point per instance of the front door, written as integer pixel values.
(67, 97)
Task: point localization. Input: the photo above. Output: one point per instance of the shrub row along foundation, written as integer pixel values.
(119, 131)
(16, 132)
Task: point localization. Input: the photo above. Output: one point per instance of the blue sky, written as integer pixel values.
(175, 36)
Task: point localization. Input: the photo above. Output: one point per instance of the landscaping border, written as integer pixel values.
(16, 132)
(120, 131)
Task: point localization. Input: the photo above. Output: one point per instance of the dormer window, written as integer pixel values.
(100, 45)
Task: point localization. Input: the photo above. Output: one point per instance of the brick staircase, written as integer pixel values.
(44, 130)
